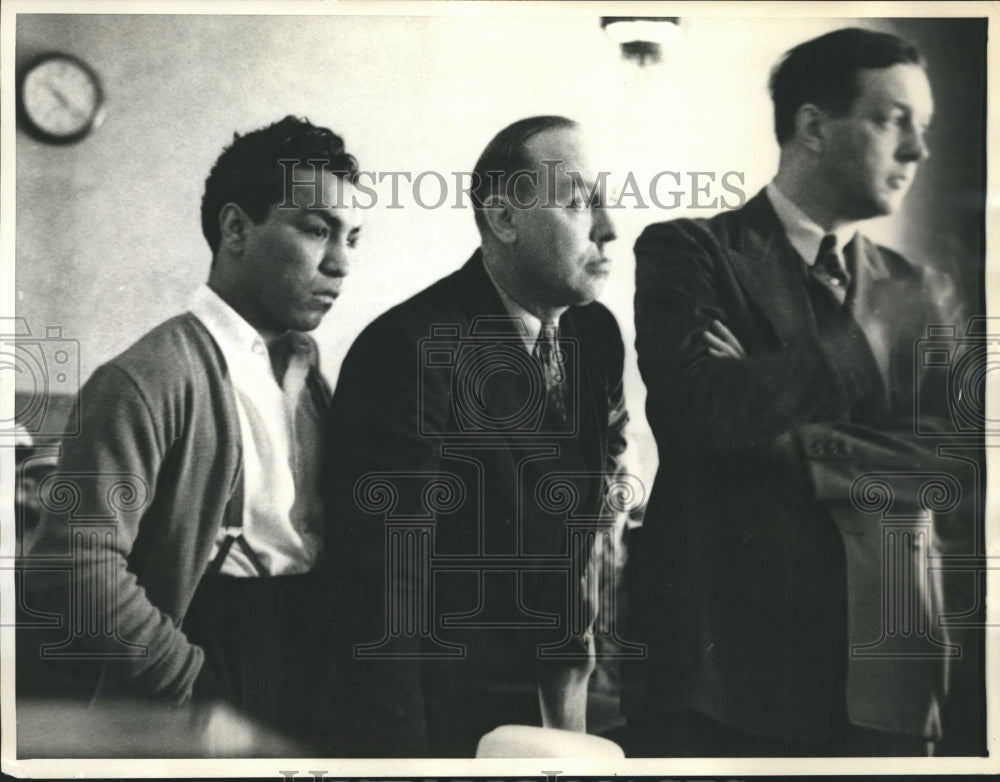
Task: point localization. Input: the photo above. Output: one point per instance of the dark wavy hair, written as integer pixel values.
(824, 71)
(505, 155)
(248, 173)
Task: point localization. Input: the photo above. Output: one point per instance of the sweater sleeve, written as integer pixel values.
(92, 513)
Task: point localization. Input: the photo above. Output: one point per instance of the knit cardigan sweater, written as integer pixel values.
(157, 460)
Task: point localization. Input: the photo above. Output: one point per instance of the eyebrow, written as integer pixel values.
(331, 220)
(334, 222)
(589, 182)
(899, 104)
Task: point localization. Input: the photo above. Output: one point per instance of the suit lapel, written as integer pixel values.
(866, 265)
(590, 398)
(771, 272)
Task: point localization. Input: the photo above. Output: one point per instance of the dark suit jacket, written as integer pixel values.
(738, 579)
(427, 434)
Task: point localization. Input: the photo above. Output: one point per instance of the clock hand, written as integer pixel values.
(58, 94)
(66, 102)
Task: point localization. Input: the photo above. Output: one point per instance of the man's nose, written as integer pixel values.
(913, 147)
(336, 260)
(602, 230)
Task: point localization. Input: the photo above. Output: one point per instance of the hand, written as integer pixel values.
(722, 343)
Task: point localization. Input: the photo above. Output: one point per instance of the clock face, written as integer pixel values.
(61, 98)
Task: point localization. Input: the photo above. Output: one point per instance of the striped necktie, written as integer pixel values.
(552, 359)
(829, 271)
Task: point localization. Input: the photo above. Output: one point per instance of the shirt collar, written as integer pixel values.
(233, 334)
(532, 323)
(803, 233)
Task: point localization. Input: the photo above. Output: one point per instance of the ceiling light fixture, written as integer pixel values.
(642, 38)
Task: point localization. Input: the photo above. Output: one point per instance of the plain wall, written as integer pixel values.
(108, 234)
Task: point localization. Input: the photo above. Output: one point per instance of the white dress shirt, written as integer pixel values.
(281, 431)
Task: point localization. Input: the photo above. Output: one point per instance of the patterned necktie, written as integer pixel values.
(552, 359)
(829, 271)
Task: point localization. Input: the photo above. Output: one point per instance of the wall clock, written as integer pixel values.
(60, 99)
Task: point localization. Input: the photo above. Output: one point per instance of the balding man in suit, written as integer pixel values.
(489, 406)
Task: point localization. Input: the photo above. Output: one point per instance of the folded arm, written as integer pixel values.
(722, 396)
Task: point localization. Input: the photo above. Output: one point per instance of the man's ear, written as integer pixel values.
(810, 126)
(233, 224)
(498, 215)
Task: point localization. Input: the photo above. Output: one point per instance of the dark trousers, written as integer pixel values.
(690, 734)
(267, 648)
